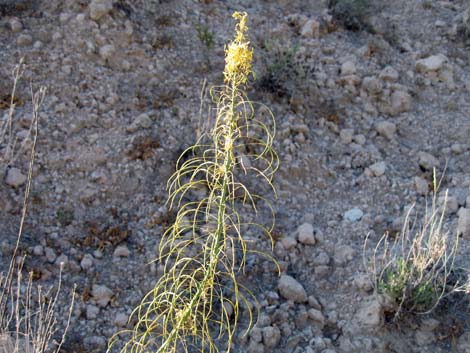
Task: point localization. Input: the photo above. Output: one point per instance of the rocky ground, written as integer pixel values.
(364, 113)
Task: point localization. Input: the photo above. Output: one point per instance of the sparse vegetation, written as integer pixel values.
(415, 271)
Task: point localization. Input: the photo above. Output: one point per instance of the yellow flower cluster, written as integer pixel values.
(238, 54)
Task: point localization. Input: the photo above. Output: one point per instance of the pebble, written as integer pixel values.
(62, 260)
(141, 121)
(386, 129)
(121, 251)
(87, 262)
(50, 255)
(24, 40)
(378, 169)
(291, 289)
(38, 250)
(289, 242)
(431, 63)
(389, 74)
(463, 226)
(99, 8)
(15, 178)
(346, 136)
(449, 204)
(107, 51)
(306, 234)
(372, 85)
(271, 336)
(15, 25)
(421, 185)
(101, 294)
(316, 316)
(400, 102)
(92, 311)
(348, 68)
(94, 343)
(120, 320)
(370, 315)
(427, 161)
(343, 254)
(310, 29)
(353, 215)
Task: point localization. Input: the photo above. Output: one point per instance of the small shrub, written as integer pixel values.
(415, 271)
(352, 14)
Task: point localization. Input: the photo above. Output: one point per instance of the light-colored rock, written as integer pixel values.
(346, 136)
(305, 234)
(15, 178)
(421, 185)
(370, 315)
(92, 311)
(38, 250)
(24, 40)
(316, 316)
(107, 51)
(141, 121)
(431, 63)
(348, 68)
(359, 139)
(62, 260)
(389, 74)
(120, 320)
(310, 29)
(291, 289)
(449, 204)
(363, 282)
(400, 102)
(463, 227)
(99, 8)
(353, 215)
(378, 169)
(424, 338)
(386, 129)
(372, 85)
(289, 242)
(121, 251)
(271, 336)
(50, 255)
(87, 262)
(15, 25)
(101, 294)
(427, 161)
(343, 254)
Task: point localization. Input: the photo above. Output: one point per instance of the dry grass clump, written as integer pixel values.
(196, 303)
(416, 270)
(29, 318)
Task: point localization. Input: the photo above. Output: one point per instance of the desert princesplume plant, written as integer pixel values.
(197, 301)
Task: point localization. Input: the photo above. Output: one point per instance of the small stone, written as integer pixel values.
(290, 289)
(92, 311)
(15, 178)
(24, 40)
(378, 169)
(346, 136)
(421, 185)
(359, 139)
(313, 302)
(316, 316)
(424, 338)
(62, 260)
(449, 204)
(386, 129)
(271, 336)
(463, 226)
(306, 234)
(101, 294)
(94, 343)
(343, 254)
(431, 63)
(255, 347)
(400, 102)
(121, 251)
(371, 85)
(363, 283)
(50, 255)
(348, 68)
(353, 215)
(87, 262)
(389, 74)
(15, 25)
(370, 316)
(99, 8)
(311, 29)
(38, 250)
(427, 161)
(120, 320)
(107, 51)
(289, 242)
(141, 121)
